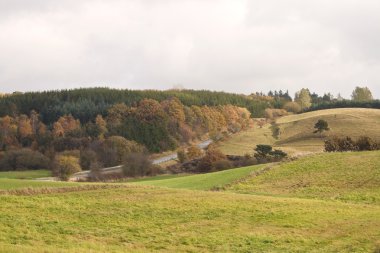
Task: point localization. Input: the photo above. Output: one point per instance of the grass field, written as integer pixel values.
(140, 219)
(297, 135)
(353, 177)
(204, 181)
(11, 184)
(27, 174)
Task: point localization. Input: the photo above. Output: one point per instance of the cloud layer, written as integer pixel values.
(232, 45)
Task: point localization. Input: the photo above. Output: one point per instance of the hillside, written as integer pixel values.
(296, 131)
(352, 177)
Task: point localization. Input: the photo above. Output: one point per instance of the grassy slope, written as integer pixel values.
(11, 184)
(243, 143)
(27, 174)
(345, 176)
(140, 219)
(204, 181)
(297, 131)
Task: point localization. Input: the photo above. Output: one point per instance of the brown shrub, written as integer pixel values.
(292, 107)
(66, 166)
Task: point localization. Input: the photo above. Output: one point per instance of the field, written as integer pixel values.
(204, 181)
(28, 174)
(11, 184)
(141, 219)
(350, 177)
(296, 131)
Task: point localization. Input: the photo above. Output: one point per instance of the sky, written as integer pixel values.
(230, 45)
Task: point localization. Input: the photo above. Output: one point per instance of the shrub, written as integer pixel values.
(262, 151)
(182, 156)
(292, 107)
(194, 152)
(212, 156)
(337, 144)
(275, 113)
(366, 143)
(264, 154)
(276, 131)
(278, 154)
(137, 164)
(23, 159)
(66, 166)
(347, 144)
(222, 165)
(332, 144)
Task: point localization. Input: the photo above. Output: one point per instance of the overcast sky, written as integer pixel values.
(231, 45)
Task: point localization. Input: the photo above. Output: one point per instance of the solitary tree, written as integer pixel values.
(361, 94)
(303, 98)
(321, 126)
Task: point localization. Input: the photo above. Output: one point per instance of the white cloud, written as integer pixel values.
(233, 45)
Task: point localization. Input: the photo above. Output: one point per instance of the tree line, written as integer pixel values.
(85, 104)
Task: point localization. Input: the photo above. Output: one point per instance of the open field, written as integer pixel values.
(204, 181)
(27, 174)
(140, 219)
(296, 131)
(11, 184)
(353, 176)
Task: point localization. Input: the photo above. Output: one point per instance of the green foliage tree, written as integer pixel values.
(265, 153)
(321, 126)
(362, 94)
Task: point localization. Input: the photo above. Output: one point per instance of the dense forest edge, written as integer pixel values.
(99, 127)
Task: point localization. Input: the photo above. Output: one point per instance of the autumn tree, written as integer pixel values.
(362, 94)
(66, 124)
(117, 113)
(8, 132)
(209, 161)
(303, 98)
(292, 107)
(194, 152)
(174, 109)
(66, 166)
(24, 127)
(102, 126)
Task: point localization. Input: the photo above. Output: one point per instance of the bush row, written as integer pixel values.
(342, 144)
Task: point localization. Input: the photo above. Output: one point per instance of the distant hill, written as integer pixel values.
(296, 131)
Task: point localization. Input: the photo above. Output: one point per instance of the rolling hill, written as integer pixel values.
(296, 131)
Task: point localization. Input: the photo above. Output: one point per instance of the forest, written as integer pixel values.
(86, 104)
(150, 126)
(99, 127)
